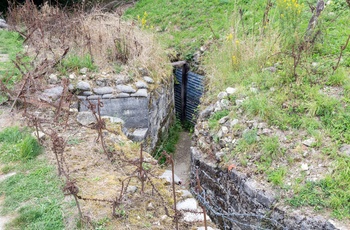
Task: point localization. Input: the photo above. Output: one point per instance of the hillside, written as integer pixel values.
(278, 91)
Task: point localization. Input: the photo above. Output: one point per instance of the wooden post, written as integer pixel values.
(185, 69)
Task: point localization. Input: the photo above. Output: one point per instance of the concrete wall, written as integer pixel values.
(146, 113)
(235, 201)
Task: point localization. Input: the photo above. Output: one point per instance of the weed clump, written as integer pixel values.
(18, 144)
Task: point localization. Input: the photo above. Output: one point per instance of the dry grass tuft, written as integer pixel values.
(108, 39)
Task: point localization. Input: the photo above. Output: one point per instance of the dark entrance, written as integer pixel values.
(188, 90)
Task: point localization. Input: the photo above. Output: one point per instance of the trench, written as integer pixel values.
(188, 89)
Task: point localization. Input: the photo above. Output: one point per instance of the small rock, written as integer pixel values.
(139, 134)
(108, 96)
(87, 93)
(4, 177)
(231, 90)
(262, 125)
(345, 149)
(206, 112)
(280, 135)
(309, 142)
(3, 23)
(219, 155)
(72, 76)
(239, 102)
(156, 223)
(217, 106)
(40, 135)
(123, 95)
(101, 82)
(225, 103)
(150, 207)
(51, 94)
(185, 194)
(140, 93)
(103, 90)
(70, 88)
(131, 189)
(222, 95)
(53, 79)
(305, 154)
(223, 120)
(272, 69)
(86, 118)
(304, 167)
(148, 80)
(193, 217)
(125, 89)
(83, 86)
(143, 71)
(167, 175)
(94, 97)
(253, 90)
(224, 129)
(141, 85)
(83, 70)
(234, 122)
(188, 204)
(314, 64)
(81, 98)
(219, 134)
(73, 110)
(121, 79)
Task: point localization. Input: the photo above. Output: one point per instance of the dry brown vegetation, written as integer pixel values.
(50, 32)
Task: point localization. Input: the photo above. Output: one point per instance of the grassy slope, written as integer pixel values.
(11, 45)
(33, 195)
(184, 25)
(300, 103)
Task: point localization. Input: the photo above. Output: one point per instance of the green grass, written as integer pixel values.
(10, 45)
(73, 63)
(184, 25)
(168, 144)
(276, 176)
(331, 192)
(33, 194)
(17, 144)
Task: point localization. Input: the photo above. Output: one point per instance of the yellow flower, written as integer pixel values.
(234, 59)
(229, 37)
(143, 21)
(237, 42)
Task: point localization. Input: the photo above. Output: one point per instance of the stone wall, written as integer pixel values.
(145, 110)
(235, 201)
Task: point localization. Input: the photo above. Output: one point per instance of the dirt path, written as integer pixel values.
(183, 157)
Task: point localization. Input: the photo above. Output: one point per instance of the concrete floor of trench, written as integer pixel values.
(183, 158)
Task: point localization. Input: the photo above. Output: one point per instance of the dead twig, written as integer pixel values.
(342, 48)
